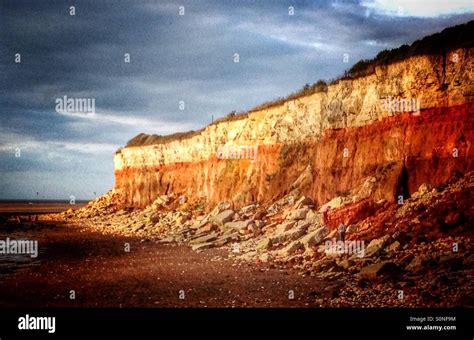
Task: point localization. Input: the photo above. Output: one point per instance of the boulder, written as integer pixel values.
(202, 222)
(304, 201)
(248, 209)
(138, 226)
(220, 207)
(313, 217)
(314, 237)
(385, 269)
(154, 218)
(202, 246)
(223, 217)
(203, 239)
(345, 263)
(253, 228)
(335, 203)
(285, 226)
(417, 263)
(376, 245)
(452, 218)
(289, 235)
(264, 243)
(303, 224)
(298, 214)
(393, 247)
(224, 239)
(423, 190)
(291, 248)
(180, 219)
(265, 257)
(238, 225)
(206, 228)
(224, 206)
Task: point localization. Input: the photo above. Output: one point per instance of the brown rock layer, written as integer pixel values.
(401, 152)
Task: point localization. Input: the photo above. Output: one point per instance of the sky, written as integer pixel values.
(46, 53)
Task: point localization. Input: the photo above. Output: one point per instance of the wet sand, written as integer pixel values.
(103, 274)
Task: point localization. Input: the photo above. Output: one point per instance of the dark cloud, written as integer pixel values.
(173, 58)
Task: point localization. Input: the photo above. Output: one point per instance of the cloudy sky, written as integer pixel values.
(173, 58)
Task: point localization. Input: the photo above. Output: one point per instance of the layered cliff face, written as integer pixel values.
(364, 137)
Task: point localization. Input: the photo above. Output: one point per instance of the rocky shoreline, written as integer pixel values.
(415, 254)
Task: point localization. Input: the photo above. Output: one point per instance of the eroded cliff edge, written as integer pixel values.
(327, 144)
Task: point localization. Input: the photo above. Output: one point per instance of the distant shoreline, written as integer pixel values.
(35, 207)
(65, 201)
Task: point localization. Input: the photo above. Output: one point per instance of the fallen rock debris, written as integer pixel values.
(422, 247)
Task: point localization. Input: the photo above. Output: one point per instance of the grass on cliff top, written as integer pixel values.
(439, 43)
(144, 139)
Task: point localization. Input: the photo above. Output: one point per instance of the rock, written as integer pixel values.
(205, 229)
(346, 264)
(181, 219)
(393, 247)
(333, 291)
(224, 240)
(324, 264)
(223, 217)
(315, 237)
(299, 214)
(247, 209)
(304, 201)
(249, 256)
(468, 261)
(313, 217)
(155, 218)
(423, 190)
(201, 223)
(303, 224)
(167, 239)
(254, 229)
(138, 226)
(265, 243)
(291, 248)
(336, 202)
(285, 226)
(386, 269)
(452, 218)
(202, 246)
(376, 245)
(417, 264)
(203, 239)
(352, 229)
(265, 257)
(289, 235)
(238, 225)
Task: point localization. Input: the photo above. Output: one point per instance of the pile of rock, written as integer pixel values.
(103, 205)
(405, 247)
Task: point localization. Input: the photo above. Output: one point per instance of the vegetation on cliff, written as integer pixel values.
(439, 43)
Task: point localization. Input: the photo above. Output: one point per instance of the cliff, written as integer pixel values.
(381, 136)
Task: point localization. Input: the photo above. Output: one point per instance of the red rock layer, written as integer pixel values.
(401, 152)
